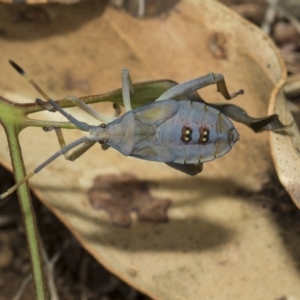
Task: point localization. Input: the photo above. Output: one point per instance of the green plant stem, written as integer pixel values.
(144, 93)
(28, 219)
(9, 120)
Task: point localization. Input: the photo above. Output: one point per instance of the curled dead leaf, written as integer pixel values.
(285, 147)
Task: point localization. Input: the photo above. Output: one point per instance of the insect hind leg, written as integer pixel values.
(198, 83)
(222, 88)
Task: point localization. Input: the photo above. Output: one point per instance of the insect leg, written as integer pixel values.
(43, 165)
(127, 88)
(89, 110)
(189, 169)
(76, 153)
(88, 144)
(222, 88)
(61, 140)
(94, 114)
(117, 109)
(198, 83)
(81, 125)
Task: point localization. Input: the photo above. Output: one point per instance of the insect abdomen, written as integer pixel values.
(197, 133)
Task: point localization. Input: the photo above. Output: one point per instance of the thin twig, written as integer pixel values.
(270, 16)
(289, 16)
(23, 286)
(50, 264)
(83, 269)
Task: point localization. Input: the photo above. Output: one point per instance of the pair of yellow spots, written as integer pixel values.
(187, 135)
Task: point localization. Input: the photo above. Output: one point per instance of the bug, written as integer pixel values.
(183, 134)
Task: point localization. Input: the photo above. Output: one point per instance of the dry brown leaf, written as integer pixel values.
(285, 147)
(217, 243)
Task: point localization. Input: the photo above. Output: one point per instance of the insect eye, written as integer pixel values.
(186, 134)
(204, 135)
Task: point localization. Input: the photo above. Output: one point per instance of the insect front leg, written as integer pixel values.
(61, 140)
(91, 111)
(198, 83)
(127, 89)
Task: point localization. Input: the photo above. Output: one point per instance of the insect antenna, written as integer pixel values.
(29, 79)
(43, 165)
(80, 125)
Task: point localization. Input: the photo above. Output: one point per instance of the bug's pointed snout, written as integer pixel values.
(233, 137)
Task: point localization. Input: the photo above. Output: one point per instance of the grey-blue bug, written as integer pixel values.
(184, 134)
(170, 131)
